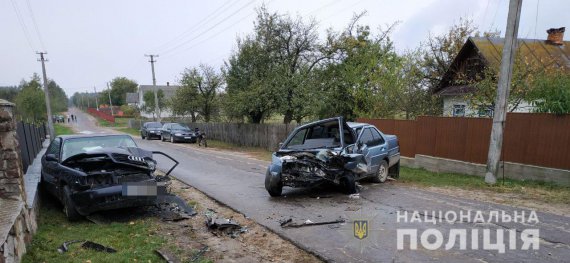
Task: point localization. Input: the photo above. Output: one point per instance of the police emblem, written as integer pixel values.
(360, 229)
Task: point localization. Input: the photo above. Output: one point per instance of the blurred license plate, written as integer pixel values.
(144, 188)
(187, 137)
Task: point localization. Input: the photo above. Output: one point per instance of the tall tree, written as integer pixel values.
(149, 105)
(205, 82)
(30, 102)
(251, 89)
(120, 86)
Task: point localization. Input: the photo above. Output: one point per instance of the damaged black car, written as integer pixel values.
(333, 151)
(90, 173)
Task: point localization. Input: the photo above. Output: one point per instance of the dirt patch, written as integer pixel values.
(513, 199)
(257, 244)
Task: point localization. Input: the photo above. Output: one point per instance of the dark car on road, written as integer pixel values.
(333, 151)
(90, 173)
(176, 132)
(151, 130)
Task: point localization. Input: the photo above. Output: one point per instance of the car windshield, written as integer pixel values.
(322, 135)
(177, 126)
(76, 146)
(153, 125)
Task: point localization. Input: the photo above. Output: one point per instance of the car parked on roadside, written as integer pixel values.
(333, 151)
(177, 132)
(90, 173)
(151, 130)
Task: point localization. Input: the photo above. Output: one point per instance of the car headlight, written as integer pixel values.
(178, 134)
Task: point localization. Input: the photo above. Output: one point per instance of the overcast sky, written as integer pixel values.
(91, 42)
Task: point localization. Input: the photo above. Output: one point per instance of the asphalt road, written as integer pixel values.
(236, 180)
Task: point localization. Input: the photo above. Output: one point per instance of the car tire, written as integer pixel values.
(68, 205)
(172, 139)
(274, 189)
(142, 136)
(161, 138)
(348, 184)
(382, 174)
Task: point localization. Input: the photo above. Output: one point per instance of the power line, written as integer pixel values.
(35, 24)
(211, 16)
(208, 29)
(495, 15)
(217, 33)
(22, 24)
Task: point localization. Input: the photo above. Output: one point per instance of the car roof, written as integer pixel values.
(355, 125)
(73, 136)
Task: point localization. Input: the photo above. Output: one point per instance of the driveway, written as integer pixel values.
(237, 180)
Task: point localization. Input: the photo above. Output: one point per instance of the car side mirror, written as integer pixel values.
(50, 157)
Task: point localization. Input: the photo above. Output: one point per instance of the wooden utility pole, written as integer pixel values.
(110, 102)
(96, 98)
(501, 102)
(46, 93)
(156, 108)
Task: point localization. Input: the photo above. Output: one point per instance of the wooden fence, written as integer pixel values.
(529, 138)
(267, 136)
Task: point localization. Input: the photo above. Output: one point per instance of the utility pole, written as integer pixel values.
(110, 102)
(501, 102)
(46, 93)
(96, 98)
(156, 108)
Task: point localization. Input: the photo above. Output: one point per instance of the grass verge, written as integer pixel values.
(256, 152)
(62, 129)
(546, 192)
(131, 131)
(134, 241)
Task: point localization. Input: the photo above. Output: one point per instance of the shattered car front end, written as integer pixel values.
(309, 169)
(112, 178)
(90, 173)
(321, 154)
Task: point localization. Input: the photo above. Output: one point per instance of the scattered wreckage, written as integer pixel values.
(90, 173)
(333, 151)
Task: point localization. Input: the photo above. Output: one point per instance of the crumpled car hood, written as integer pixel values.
(131, 156)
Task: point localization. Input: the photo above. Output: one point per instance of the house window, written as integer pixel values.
(485, 111)
(458, 110)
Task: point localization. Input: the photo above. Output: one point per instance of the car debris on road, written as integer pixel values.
(288, 223)
(86, 245)
(223, 225)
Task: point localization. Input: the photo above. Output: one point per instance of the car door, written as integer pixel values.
(370, 147)
(50, 167)
(167, 131)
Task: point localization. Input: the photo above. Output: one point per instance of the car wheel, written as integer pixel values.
(172, 139)
(348, 184)
(382, 173)
(68, 205)
(273, 188)
(142, 136)
(161, 138)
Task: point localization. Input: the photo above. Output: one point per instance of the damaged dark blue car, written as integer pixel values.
(90, 173)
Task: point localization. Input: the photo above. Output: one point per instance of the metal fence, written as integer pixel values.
(530, 138)
(30, 138)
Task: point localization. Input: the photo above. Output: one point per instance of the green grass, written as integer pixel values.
(134, 241)
(543, 191)
(61, 129)
(131, 131)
